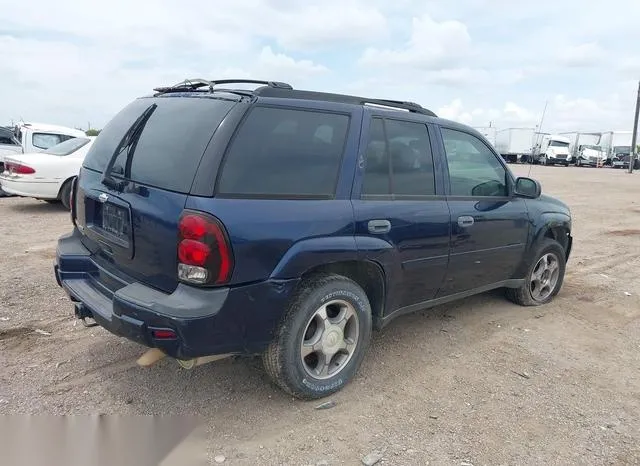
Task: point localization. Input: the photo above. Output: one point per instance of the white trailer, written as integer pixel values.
(488, 132)
(515, 144)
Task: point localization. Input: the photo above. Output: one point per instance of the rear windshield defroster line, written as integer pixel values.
(168, 150)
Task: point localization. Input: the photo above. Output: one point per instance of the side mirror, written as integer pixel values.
(526, 187)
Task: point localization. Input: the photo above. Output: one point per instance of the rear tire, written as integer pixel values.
(544, 277)
(306, 358)
(65, 192)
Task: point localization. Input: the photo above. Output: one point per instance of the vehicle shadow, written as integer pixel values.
(206, 389)
(38, 207)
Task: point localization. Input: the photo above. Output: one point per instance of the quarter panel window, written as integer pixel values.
(281, 152)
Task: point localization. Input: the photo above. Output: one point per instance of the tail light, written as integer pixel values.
(204, 252)
(18, 168)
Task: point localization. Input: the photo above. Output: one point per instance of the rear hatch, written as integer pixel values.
(127, 206)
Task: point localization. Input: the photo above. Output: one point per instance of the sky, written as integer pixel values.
(479, 62)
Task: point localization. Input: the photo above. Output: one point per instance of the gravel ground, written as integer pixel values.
(481, 381)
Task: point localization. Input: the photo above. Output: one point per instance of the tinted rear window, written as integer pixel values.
(171, 144)
(285, 153)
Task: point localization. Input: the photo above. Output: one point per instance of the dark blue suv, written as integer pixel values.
(215, 220)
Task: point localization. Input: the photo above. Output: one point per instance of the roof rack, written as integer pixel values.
(285, 90)
(197, 83)
(343, 98)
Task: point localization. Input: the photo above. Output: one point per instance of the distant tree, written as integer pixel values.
(92, 132)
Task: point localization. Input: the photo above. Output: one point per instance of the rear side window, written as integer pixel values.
(46, 140)
(399, 160)
(67, 147)
(284, 153)
(170, 147)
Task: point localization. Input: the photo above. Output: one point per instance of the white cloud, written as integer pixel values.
(454, 111)
(329, 24)
(432, 45)
(584, 55)
(475, 61)
(278, 63)
(610, 112)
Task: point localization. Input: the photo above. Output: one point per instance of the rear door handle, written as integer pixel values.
(465, 221)
(377, 227)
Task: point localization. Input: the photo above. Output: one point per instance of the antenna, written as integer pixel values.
(544, 111)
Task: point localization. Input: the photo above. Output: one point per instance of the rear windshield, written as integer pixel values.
(285, 153)
(67, 147)
(171, 144)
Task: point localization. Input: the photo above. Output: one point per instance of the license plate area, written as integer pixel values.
(115, 221)
(112, 227)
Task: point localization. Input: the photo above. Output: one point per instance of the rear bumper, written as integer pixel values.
(36, 189)
(206, 321)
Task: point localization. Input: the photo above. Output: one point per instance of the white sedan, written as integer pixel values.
(46, 175)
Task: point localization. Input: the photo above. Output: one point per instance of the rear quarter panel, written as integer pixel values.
(282, 238)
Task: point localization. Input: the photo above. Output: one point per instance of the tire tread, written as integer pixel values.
(273, 358)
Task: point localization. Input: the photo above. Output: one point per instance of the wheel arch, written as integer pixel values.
(554, 226)
(369, 275)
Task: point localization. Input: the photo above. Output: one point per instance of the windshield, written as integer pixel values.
(553, 143)
(67, 147)
(591, 147)
(622, 149)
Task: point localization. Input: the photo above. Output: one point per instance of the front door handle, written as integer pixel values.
(465, 221)
(377, 227)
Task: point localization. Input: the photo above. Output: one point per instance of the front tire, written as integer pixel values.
(322, 339)
(544, 277)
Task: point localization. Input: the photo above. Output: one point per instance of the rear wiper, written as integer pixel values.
(127, 143)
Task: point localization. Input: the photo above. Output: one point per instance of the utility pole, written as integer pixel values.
(634, 137)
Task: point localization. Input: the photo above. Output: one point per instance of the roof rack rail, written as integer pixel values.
(342, 98)
(285, 90)
(197, 83)
(411, 106)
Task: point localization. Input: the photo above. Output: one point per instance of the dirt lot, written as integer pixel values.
(481, 381)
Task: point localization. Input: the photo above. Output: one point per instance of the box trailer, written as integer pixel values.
(515, 144)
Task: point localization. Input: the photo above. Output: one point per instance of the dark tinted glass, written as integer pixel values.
(408, 146)
(411, 158)
(376, 173)
(171, 144)
(473, 169)
(283, 152)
